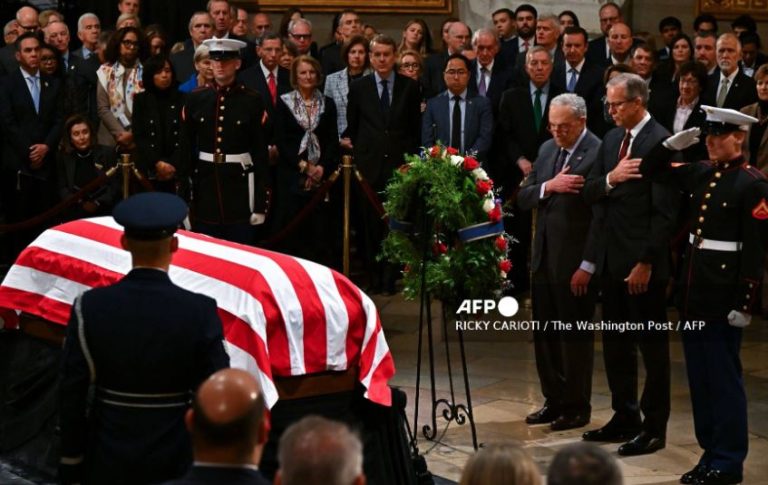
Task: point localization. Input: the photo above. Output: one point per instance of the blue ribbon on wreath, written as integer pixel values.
(400, 226)
(481, 231)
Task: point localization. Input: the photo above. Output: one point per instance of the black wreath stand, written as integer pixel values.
(451, 409)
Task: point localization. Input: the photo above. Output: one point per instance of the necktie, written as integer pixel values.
(525, 46)
(625, 145)
(537, 111)
(561, 156)
(34, 89)
(384, 100)
(481, 87)
(272, 88)
(456, 124)
(723, 93)
(572, 82)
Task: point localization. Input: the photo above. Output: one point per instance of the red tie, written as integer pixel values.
(525, 45)
(272, 88)
(625, 146)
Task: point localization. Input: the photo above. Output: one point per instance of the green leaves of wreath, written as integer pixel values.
(446, 228)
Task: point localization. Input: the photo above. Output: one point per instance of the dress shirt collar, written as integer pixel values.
(544, 89)
(488, 68)
(731, 77)
(245, 466)
(462, 95)
(638, 127)
(578, 67)
(390, 79)
(572, 148)
(267, 71)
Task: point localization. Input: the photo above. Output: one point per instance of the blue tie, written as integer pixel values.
(34, 89)
(572, 82)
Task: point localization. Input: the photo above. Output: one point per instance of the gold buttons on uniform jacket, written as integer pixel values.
(707, 195)
(704, 207)
(221, 128)
(712, 184)
(701, 219)
(221, 118)
(218, 139)
(698, 232)
(718, 174)
(221, 99)
(722, 266)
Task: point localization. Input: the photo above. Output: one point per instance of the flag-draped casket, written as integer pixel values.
(282, 316)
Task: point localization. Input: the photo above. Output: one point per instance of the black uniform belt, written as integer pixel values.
(143, 400)
(713, 244)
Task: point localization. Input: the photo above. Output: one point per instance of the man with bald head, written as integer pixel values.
(620, 44)
(318, 447)
(229, 427)
(26, 20)
(458, 40)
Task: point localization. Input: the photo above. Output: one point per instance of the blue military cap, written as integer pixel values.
(150, 216)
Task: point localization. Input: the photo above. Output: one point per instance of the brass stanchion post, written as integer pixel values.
(126, 165)
(347, 166)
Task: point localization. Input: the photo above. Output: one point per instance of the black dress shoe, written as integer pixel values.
(547, 414)
(611, 432)
(717, 477)
(569, 422)
(642, 444)
(694, 474)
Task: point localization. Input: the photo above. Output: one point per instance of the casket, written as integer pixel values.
(283, 317)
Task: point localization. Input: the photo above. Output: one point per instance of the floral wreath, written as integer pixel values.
(446, 227)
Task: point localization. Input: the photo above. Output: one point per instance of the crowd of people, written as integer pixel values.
(247, 121)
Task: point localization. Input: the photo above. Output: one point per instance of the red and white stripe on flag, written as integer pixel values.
(282, 316)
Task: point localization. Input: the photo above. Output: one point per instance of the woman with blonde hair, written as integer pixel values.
(501, 463)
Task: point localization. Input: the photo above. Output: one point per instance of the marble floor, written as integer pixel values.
(504, 387)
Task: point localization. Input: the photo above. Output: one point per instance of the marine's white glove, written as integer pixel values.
(257, 219)
(683, 140)
(738, 319)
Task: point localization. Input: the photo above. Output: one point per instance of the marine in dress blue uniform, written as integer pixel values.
(142, 346)
(722, 267)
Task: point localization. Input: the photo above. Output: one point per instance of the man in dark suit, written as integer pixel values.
(669, 28)
(456, 117)
(581, 76)
(598, 52)
(221, 13)
(432, 78)
(751, 57)
(88, 30)
(504, 27)
(635, 221)
(489, 76)
(229, 426)
(26, 19)
(200, 29)
(562, 264)
(547, 35)
(267, 77)
(728, 87)
(522, 128)
(145, 344)
(525, 24)
(383, 124)
(330, 56)
(31, 121)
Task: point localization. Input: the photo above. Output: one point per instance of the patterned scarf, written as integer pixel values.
(308, 119)
(119, 88)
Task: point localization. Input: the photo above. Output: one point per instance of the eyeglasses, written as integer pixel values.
(47, 59)
(302, 36)
(410, 66)
(457, 72)
(132, 44)
(561, 126)
(616, 105)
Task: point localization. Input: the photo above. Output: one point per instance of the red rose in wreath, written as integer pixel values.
(451, 151)
(505, 265)
(434, 152)
(501, 244)
(495, 214)
(483, 186)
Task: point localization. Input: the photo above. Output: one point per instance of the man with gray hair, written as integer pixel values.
(728, 86)
(489, 76)
(300, 32)
(88, 30)
(563, 263)
(635, 220)
(317, 447)
(200, 29)
(10, 32)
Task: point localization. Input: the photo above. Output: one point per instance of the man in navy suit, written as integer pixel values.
(88, 30)
(456, 117)
(581, 76)
(563, 263)
(228, 424)
(432, 77)
(144, 344)
(598, 52)
(200, 29)
(636, 219)
(31, 121)
(525, 24)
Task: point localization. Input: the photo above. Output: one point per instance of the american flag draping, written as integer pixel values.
(282, 316)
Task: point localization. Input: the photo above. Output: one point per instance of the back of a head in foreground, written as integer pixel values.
(316, 450)
(501, 463)
(584, 464)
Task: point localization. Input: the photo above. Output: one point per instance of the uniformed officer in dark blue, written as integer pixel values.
(223, 125)
(721, 272)
(142, 345)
